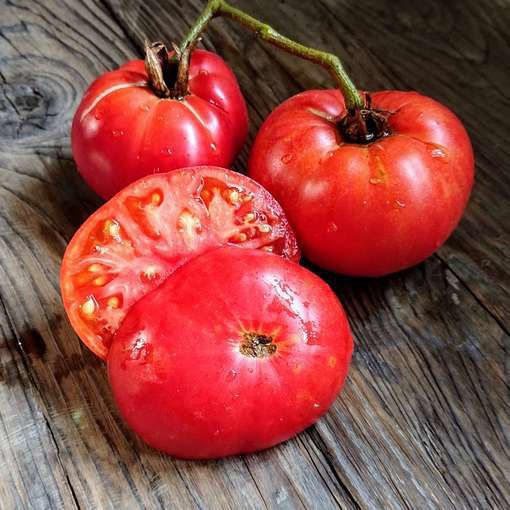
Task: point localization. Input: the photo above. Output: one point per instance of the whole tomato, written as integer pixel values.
(370, 193)
(237, 351)
(156, 224)
(148, 118)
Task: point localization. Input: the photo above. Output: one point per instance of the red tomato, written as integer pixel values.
(237, 351)
(123, 131)
(366, 209)
(134, 241)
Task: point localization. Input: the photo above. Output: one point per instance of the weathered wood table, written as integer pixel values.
(424, 419)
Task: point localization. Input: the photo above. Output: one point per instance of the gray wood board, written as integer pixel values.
(424, 419)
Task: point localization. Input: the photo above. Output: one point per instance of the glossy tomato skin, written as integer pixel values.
(373, 209)
(180, 372)
(123, 131)
(153, 226)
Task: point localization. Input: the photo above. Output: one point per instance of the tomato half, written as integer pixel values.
(366, 208)
(237, 351)
(134, 241)
(123, 131)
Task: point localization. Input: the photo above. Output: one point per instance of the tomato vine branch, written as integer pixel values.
(332, 63)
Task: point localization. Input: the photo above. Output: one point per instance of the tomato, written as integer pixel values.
(366, 208)
(123, 130)
(134, 241)
(237, 351)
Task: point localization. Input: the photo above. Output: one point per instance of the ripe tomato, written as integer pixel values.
(366, 208)
(134, 241)
(123, 131)
(237, 351)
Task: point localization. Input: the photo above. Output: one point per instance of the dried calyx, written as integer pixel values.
(255, 345)
(364, 125)
(168, 75)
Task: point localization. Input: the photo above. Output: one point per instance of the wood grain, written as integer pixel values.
(424, 419)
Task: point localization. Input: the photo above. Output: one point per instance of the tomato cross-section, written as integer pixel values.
(136, 240)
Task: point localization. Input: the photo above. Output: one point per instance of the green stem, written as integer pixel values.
(332, 63)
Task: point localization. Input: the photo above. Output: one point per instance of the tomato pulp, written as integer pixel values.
(123, 131)
(366, 209)
(133, 242)
(237, 351)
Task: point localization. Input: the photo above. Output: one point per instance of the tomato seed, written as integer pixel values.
(89, 306)
(113, 302)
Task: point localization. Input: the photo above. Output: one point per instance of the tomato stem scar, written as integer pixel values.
(255, 345)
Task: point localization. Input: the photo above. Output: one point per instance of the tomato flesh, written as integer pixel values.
(237, 351)
(133, 242)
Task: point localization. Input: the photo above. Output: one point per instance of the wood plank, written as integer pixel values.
(424, 419)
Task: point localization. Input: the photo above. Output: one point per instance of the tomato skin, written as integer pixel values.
(154, 225)
(180, 380)
(366, 210)
(126, 133)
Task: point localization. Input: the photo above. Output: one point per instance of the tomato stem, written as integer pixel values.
(157, 66)
(353, 100)
(168, 77)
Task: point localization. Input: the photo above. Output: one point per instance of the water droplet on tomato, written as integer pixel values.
(166, 151)
(98, 116)
(287, 158)
(145, 107)
(437, 151)
(231, 375)
(316, 404)
(374, 180)
(213, 146)
(399, 205)
(332, 227)
(117, 132)
(203, 72)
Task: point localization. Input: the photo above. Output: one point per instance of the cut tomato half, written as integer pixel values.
(143, 234)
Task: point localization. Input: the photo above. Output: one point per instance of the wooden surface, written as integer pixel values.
(424, 420)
